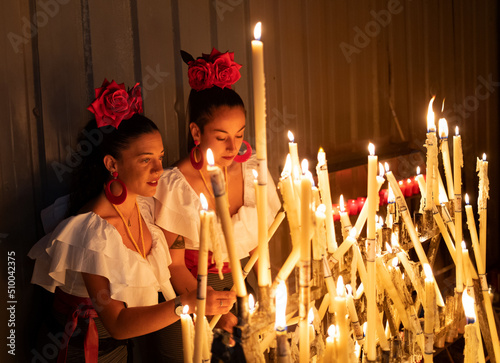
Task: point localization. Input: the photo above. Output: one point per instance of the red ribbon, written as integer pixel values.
(77, 307)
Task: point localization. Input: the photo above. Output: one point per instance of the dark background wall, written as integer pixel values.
(339, 74)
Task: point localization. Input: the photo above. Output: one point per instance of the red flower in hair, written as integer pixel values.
(214, 69)
(113, 104)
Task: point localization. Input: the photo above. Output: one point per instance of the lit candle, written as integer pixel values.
(360, 222)
(326, 199)
(353, 315)
(371, 297)
(222, 208)
(283, 347)
(431, 145)
(331, 346)
(286, 187)
(340, 307)
(470, 336)
(445, 153)
(305, 262)
(310, 325)
(293, 150)
(206, 220)
(319, 238)
(423, 191)
(344, 218)
(482, 202)
(187, 338)
(457, 177)
(430, 305)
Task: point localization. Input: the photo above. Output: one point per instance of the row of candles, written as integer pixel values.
(307, 208)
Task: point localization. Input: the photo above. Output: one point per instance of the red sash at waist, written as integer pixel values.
(75, 307)
(191, 260)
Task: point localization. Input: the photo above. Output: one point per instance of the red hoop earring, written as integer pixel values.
(241, 158)
(192, 156)
(115, 199)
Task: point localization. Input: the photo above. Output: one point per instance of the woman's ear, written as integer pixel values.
(110, 163)
(195, 131)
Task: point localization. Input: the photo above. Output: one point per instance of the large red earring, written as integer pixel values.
(115, 199)
(192, 156)
(241, 158)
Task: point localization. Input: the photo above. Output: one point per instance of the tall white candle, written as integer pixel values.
(344, 218)
(372, 196)
(326, 198)
(470, 336)
(222, 208)
(431, 145)
(445, 153)
(482, 202)
(457, 176)
(353, 315)
(187, 339)
(340, 307)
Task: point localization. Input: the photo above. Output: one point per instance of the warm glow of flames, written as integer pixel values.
(321, 208)
(386, 165)
(321, 156)
(468, 303)
(310, 316)
(341, 203)
(418, 170)
(443, 128)
(257, 31)
(408, 181)
(255, 173)
(484, 157)
(340, 287)
(466, 198)
(281, 298)
(381, 170)
(456, 131)
(400, 183)
(331, 331)
(304, 166)
(395, 262)
(210, 157)
(464, 246)
(431, 126)
(185, 309)
(352, 232)
(290, 136)
(371, 149)
(394, 240)
(428, 271)
(203, 200)
(251, 303)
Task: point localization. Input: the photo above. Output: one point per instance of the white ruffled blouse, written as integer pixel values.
(87, 243)
(177, 208)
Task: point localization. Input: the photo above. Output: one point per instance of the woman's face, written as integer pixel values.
(140, 165)
(223, 134)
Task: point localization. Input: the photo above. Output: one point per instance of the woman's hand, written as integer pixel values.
(219, 302)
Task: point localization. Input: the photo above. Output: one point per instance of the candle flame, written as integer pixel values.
(255, 173)
(185, 309)
(340, 287)
(394, 240)
(251, 303)
(400, 183)
(381, 170)
(331, 331)
(431, 126)
(281, 298)
(210, 157)
(359, 291)
(341, 203)
(418, 170)
(203, 200)
(484, 157)
(408, 181)
(403, 276)
(290, 136)
(321, 156)
(304, 166)
(386, 165)
(257, 31)
(349, 289)
(443, 128)
(428, 271)
(310, 316)
(443, 198)
(456, 131)
(468, 303)
(442, 106)
(321, 208)
(464, 246)
(352, 232)
(388, 247)
(371, 149)
(466, 198)
(395, 262)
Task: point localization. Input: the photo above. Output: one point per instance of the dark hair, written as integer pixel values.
(203, 104)
(91, 174)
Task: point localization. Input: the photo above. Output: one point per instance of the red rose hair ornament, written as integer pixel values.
(214, 69)
(113, 104)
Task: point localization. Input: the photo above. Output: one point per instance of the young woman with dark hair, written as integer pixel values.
(108, 261)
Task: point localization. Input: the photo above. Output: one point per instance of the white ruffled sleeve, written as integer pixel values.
(86, 243)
